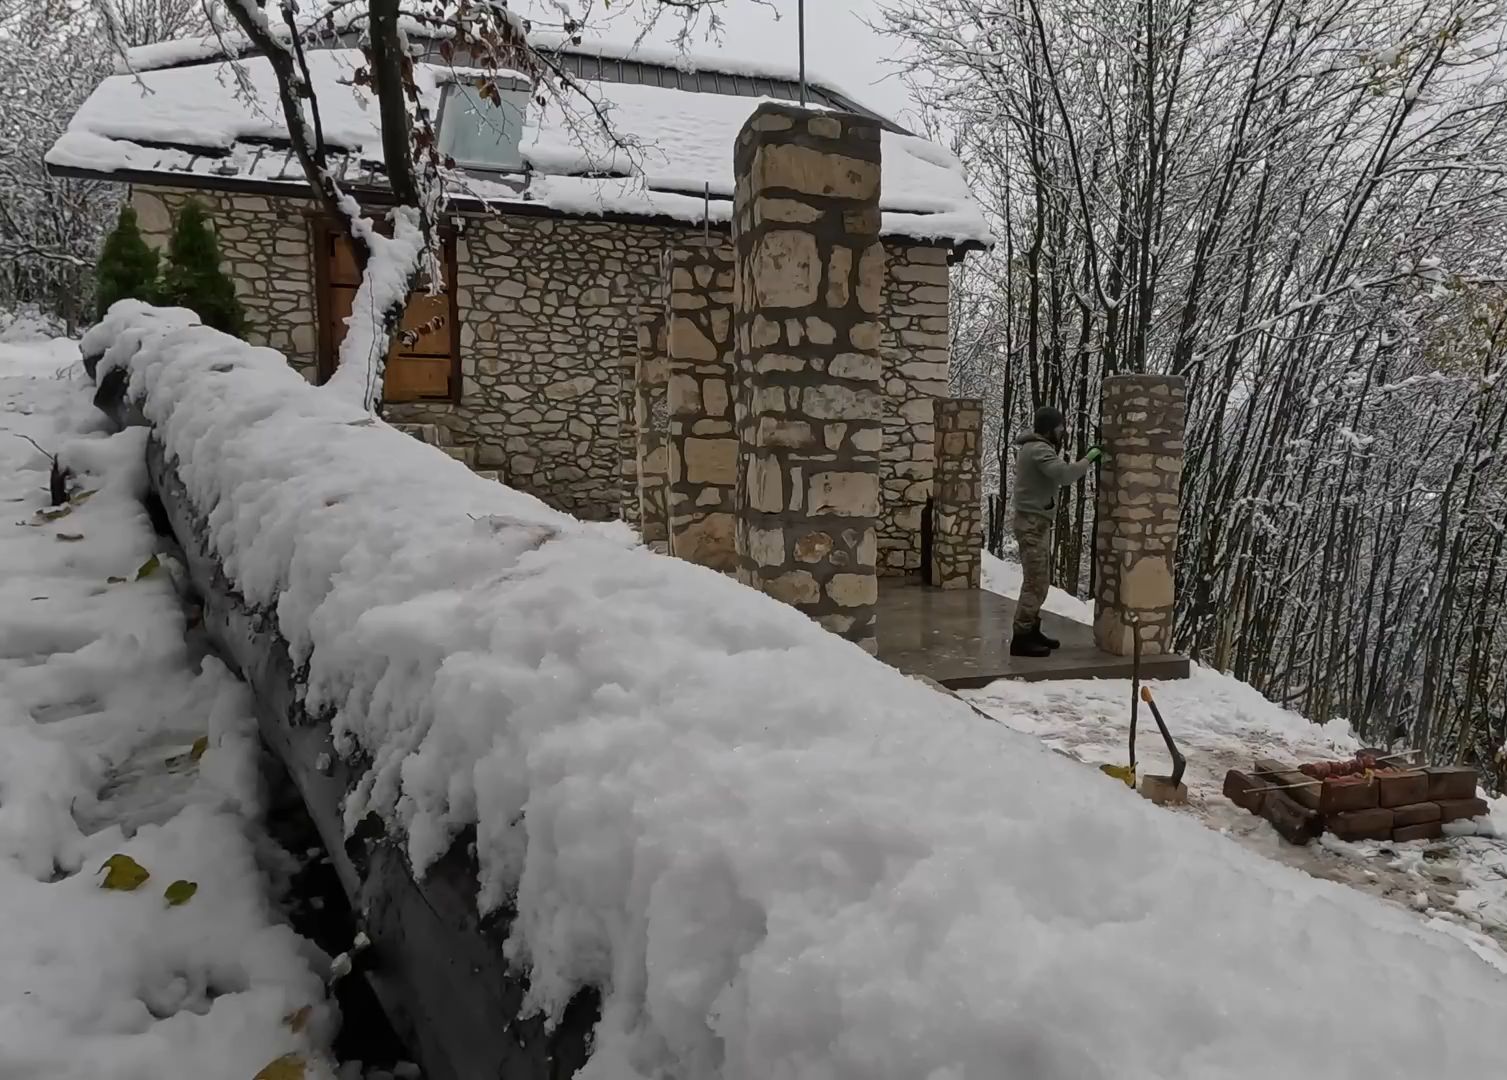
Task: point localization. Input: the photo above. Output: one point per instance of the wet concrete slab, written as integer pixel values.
(961, 639)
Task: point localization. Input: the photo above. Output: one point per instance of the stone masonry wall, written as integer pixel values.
(266, 250)
(703, 438)
(1136, 546)
(810, 294)
(651, 414)
(957, 537)
(542, 306)
(915, 352)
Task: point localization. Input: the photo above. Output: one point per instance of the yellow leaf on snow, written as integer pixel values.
(201, 744)
(287, 1067)
(180, 892)
(298, 1019)
(148, 568)
(125, 874)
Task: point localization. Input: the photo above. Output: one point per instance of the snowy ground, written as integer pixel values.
(1459, 883)
(118, 739)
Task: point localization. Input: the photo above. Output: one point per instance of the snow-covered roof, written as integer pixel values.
(220, 125)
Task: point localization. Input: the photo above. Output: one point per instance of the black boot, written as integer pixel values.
(1051, 643)
(1025, 643)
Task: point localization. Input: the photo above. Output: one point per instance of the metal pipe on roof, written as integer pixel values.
(800, 21)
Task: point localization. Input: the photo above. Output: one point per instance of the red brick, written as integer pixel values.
(1297, 824)
(1428, 830)
(1451, 783)
(1372, 824)
(1401, 788)
(1459, 809)
(1417, 814)
(1342, 793)
(1237, 788)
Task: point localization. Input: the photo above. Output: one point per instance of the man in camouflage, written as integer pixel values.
(1040, 471)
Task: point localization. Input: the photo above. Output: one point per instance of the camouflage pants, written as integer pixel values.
(1033, 533)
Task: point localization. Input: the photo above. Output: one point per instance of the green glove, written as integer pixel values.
(1094, 454)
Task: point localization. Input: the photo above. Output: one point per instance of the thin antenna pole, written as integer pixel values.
(800, 19)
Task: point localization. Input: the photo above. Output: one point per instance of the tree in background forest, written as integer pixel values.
(192, 277)
(127, 266)
(53, 53)
(1301, 207)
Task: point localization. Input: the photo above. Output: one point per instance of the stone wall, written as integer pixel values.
(267, 251)
(703, 437)
(957, 535)
(630, 506)
(810, 296)
(651, 414)
(543, 304)
(1136, 545)
(915, 350)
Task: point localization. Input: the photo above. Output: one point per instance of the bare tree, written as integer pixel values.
(1301, 207)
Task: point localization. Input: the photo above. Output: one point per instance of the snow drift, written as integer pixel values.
(777, 857)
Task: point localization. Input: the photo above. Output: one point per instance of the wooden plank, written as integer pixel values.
(414, 378)
(1303, 790)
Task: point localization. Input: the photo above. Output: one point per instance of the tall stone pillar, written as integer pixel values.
(703, 459)
(810, 285)
(1136, 546)
(653, 376)
(957, 535)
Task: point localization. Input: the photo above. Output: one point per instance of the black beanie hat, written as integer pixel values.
(1048, 420)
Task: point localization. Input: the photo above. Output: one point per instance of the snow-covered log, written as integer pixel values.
(771, 855)
(436, 965)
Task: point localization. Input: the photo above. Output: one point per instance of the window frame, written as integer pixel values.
(451, 91)
(323, 234)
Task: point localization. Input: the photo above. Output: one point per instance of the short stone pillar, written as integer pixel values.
(652, 381)
(810, 290)
(703, 459)
(957, 535)
(1136, 547)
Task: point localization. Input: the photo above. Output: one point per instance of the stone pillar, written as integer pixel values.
(957, 536)
(703, 457)
(810, 287)
(1136, 546)
(652, 379)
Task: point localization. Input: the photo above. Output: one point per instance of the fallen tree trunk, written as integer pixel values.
(435, 964)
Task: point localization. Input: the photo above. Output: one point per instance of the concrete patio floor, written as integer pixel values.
(961, 639)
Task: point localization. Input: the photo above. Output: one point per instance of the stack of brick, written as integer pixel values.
(1398, 804)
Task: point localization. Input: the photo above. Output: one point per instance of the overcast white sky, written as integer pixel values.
(839, 44)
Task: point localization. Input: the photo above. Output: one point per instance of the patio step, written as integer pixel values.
(466, 455)
(489, 474)
(432, 434)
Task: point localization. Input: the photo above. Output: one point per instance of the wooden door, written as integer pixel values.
(423, 362)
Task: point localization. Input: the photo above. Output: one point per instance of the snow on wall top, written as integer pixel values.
(777, 857)
(200, 118)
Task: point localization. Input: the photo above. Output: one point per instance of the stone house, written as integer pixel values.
(588, 279)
